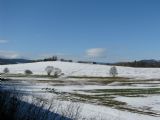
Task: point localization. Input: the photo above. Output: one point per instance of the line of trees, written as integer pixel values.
(50, 70)
(141, 63)
(56, 72)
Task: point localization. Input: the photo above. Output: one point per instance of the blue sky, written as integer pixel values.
(100, 30)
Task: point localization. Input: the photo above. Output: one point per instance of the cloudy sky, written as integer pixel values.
(101, 30)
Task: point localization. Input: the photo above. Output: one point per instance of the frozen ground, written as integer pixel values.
(151, 102)
(137, 98)
(115, 105)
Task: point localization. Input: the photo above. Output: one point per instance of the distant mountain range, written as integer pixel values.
(142, 63)
(4, 61)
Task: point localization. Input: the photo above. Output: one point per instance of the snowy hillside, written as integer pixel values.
(107, 99)
(79, 69)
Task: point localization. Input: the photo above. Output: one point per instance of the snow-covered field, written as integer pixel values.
(137, 98)
(79, 69)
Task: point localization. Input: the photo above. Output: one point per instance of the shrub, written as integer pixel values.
(12, 107)
(28, 72)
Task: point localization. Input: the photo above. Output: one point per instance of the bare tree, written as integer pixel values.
(49, 70)
(57, 72)
(113, 71)
(6, 70)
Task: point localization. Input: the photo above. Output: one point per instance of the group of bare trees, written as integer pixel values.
(56, 72)
(50, 70)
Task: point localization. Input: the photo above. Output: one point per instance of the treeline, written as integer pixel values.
(141, 63)
(53, 58)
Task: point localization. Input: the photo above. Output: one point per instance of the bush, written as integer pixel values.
(12, 107)
(113, 71)
(6, 70)
(28, 72)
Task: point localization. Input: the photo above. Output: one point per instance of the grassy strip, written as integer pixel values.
(123, 92)
(94, 77)
(24, 75)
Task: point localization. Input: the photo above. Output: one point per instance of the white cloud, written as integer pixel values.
(3, 41)
(96, 52)
(9, 54)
